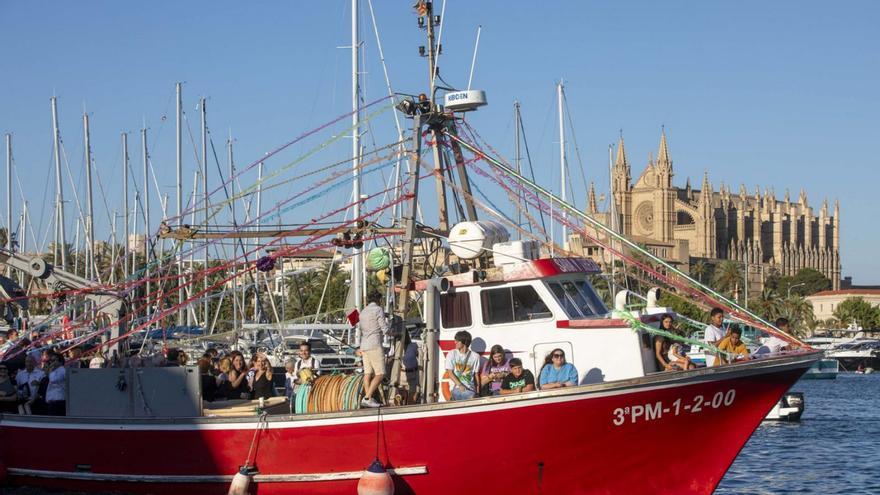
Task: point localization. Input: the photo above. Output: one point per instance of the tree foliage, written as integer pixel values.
(858, 310)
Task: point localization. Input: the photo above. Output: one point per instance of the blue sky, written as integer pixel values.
(778, 94)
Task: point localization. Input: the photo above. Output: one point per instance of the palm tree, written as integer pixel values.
(799, 311)
(728, 277)
(698, 270)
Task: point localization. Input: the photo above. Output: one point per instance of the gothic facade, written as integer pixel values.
(685, 224)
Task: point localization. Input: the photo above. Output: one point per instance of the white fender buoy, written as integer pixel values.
(376, 481)
(240, 482)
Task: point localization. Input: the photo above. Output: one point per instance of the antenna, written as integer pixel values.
(474, 59)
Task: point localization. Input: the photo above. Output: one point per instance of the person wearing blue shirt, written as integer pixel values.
(556, 373)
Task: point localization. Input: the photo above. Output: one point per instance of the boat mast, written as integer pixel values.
(125, 266)
(613, 213)
(90, 215)
(147, 249)
(234, 225)
(205, 192)
(516, 160)
(179, 163)
(8, 198)
(562, 170)
(357, 256)
(60, 240)
(439, 172)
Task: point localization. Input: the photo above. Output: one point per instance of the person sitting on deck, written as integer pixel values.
(224, 390)
(495, 369)
(289, 378)
(518, 380)
(8, 394)
(373, 326)
(733, 345)
(209, 384)
(172, 358)
(662, 344)
(461, 367)
(238, 386)
(557, 373)
(713, 333)
(262, 387)
(772, 345)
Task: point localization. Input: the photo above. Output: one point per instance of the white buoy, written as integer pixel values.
(240, 482)
(376, 481)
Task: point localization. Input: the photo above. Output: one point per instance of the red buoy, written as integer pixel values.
(376, 481)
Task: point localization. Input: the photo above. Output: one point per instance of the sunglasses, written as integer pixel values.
(559, 355)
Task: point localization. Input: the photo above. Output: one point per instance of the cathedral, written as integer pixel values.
(686, 225)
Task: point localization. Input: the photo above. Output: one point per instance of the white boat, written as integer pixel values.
(824, 369)
(789, 408)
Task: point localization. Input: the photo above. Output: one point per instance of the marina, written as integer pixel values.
(339, 308)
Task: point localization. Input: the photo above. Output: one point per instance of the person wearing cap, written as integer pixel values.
(518, 380)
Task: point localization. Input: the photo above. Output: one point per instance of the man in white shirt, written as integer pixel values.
(373, 327)
(28, 379)
(462, 366)
(56, 393)
(713, 333)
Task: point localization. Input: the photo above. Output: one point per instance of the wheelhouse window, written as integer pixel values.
(577, 298)
(512, 304)
(455, 310)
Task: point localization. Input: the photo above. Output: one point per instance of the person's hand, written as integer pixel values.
(358, 353)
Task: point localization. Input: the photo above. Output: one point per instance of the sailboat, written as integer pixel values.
(608, 434)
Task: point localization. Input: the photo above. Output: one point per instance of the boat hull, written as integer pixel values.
(611, 437)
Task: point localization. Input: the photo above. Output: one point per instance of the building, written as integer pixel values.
(825, 302)
(685, 225)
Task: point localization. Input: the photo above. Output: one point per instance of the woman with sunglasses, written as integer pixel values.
(556, 373)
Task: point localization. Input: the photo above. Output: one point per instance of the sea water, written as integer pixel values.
(835, 448)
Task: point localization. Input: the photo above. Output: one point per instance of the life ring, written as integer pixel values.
(445, 389)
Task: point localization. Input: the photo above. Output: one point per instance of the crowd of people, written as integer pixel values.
(34, 381)
(500, 375)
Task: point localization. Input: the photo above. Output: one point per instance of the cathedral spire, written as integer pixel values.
(593, 209)
(621, 153)
(663, 152)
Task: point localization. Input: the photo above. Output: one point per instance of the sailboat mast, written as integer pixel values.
(357, 255)
(60, 240)
(125, 271)
(8, 197)
(562, 167)
(613, 215)
(146, 214)
(517, 160)
(205, 191)
(179, 163)
(90, 214)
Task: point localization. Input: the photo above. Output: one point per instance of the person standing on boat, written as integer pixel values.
(713, 333)
(462, 366)
(56, 394)
(373, 327)
(28, 380)
(556, 372)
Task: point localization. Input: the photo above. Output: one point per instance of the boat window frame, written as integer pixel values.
(467, 298)
(566, 302)
(510, 288)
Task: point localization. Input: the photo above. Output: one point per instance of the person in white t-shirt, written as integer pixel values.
(28, 379)
(713, 333)
(462, 366)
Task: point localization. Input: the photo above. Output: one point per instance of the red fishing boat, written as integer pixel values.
(617, 431)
